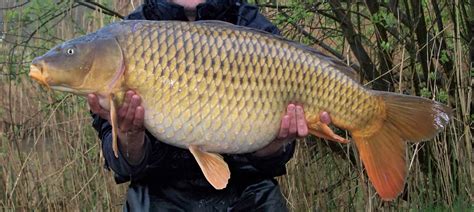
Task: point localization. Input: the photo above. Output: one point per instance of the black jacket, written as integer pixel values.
(169, 177)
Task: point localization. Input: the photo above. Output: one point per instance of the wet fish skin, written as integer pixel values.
(193, 74)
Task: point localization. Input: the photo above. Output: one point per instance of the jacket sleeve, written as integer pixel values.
(122, 169)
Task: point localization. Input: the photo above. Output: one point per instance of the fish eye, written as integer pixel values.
(70, 51)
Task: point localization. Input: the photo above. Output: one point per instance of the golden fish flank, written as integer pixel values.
(213, 87)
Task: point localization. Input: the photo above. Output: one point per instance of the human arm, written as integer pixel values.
(134, 145)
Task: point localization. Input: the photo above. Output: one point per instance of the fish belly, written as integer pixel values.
(223, 135)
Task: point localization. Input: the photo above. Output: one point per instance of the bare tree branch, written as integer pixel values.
(422, 38)
(94, 5)
(368, 68)
(385, 55)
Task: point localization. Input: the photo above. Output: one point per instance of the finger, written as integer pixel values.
(284, 127)
(95, 107)
(126, 102)
(324, 117)
(128, 120)
(292, 116)
(139, 118)
(302, 128)
(93, 103)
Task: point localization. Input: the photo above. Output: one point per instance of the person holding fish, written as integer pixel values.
(169, 97)
(164, 177)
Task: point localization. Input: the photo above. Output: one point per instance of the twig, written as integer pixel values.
(10, 195)
(85, 185)
(355, 42)
(319, 42)
(94, 5)
(15, 6)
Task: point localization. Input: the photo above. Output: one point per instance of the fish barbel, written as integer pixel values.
(214, 87)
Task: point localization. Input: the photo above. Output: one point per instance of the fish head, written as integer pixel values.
(83, 65)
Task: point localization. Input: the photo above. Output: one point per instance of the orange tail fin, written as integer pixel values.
(382, 146)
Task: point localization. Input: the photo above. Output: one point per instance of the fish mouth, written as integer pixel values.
(37, 74)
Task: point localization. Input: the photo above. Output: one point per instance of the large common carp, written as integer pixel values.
(214, 87)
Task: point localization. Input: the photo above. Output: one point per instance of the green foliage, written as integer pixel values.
(425, 92)
(298, 13)
(442, 96)
(280, 19)
(384, 18)
(3, 148)
(33, 11)
(386, 46)
(432, 76)
(443, 58)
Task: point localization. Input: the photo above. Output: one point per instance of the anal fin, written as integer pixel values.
(213, 166)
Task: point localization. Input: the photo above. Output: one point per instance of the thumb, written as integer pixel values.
(95, 107)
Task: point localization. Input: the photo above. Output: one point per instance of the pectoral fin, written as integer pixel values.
(213, 166)
(113, 120)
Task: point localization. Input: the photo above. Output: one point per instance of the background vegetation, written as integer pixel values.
(50, 157)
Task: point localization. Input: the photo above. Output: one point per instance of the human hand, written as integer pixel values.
(293, 125)
(130, 122)
(130, 116)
